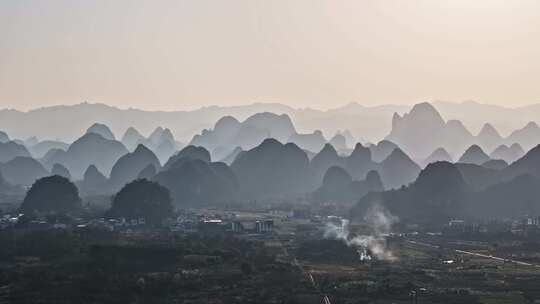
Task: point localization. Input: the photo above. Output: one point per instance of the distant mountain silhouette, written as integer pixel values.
(339, 142)
(148, 172)
(222, 152)
(478, 185)
(489, 137)
(93, 176)
(309, 154)
(91, 149)
(67, 122)
(398, 169)
(440, 180)
(250, 136)
(155, 136)
(382, 150)
(456, 137)
(334, 186)
(336, 177)
(284, 176)
(439, 154)
(229, 159)
(226, 129)
(187, 154)
(474, 155)
(529, 164)
(510, 199)
(102, 130)
(322, 162)
(312, 142)
(93, 182)
(280, 127)
(3, 182)
(11, 150)
(423, 130)
(229, 133)
(527, 137)
(419, 131)
(194, 182)
(4, 137)
(165, 136)
(496, 164)
(129, 166)
(161, 142)
(165, 149)
(23, 171)
(372, 123)
(50, 158)
(41, 148)
(271, 169)
(222, 136)
(132, 138)
(31, 141)
(338, 186)
(508, 154)
(349, 138)
(372, 182)
(479, 177)
(517, 150)
(60, 170)
(7, 189)
(436, 195)
(504, 119)
(359, 162)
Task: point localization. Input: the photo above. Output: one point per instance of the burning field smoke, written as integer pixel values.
(374, 245)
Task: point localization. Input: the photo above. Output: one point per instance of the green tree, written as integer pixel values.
(52, 194)
(142, 199)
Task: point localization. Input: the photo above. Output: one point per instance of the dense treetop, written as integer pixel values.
(52, 194)
(142, 199)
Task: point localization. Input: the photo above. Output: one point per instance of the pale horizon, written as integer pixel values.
(182, 55)
(198, 107)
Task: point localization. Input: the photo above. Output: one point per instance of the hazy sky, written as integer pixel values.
(186, 54)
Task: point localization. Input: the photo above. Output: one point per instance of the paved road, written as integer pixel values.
(496, 258)
(324, 298)
(476, 254)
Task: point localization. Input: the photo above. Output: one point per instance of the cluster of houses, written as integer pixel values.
(525, 226)
(8, 220)
(183, 224)
(252, 226)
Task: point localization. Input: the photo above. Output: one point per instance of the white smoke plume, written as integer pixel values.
(374, 245)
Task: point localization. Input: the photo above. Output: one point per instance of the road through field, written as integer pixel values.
(475, 254)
